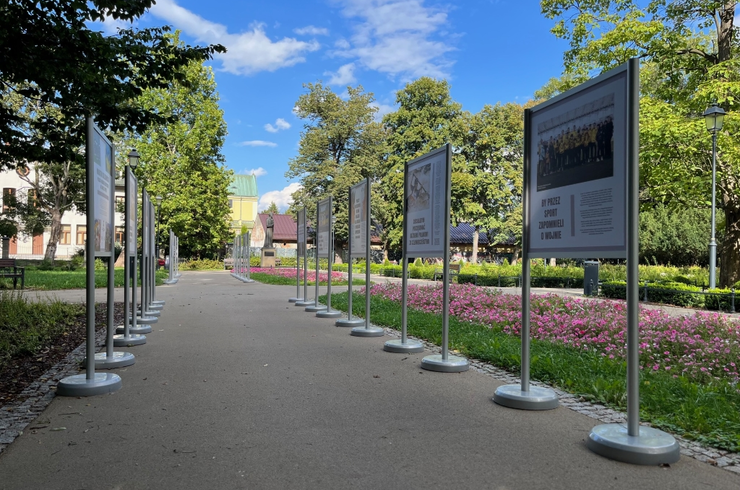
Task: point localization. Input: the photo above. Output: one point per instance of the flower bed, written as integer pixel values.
(702, 347)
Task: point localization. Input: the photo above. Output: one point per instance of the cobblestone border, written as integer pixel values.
(716, 457)
(17, 416)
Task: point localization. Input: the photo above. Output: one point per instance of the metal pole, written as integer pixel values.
(446, 259)
(633, 245)
(525, 315)
(368, 242)
(713, 242)
(90, 256)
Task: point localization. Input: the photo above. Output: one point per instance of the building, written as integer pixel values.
(243, 203)
(74, 224)
(284, 232)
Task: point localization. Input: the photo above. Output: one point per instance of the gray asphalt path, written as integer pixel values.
(237, 388)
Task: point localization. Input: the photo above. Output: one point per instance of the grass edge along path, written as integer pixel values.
(707, 413)
(38, 280)
(282, 277)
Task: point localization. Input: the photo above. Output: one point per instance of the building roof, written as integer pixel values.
(243, 186)
(285, 226)
(463, 233)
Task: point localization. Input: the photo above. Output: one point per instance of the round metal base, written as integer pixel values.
(410, 347)
(117, 360)
(651, 447)
(304, 303)
(536, 398)
(79, 385)
(249, 281)
(157, 302)
(168, 282)
(146, 319)
(315, 308)
(131, 340)
(329, 314)
(346, 322)
(155, 310)
(138, 329)
(150, 313)
(293, 300)
(367, 332)
(453, 364)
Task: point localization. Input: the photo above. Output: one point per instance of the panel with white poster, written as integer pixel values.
(358, 225)
(427, 185)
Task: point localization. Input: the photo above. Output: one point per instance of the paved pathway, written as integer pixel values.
(237, 388)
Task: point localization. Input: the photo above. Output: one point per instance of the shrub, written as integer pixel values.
(719, 299)
(201, 265)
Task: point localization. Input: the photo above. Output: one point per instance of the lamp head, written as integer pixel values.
(133, 158)
(714, 118)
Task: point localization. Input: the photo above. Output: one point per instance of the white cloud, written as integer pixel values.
(344, 76)
(282, 198)
(110, 25)
(257, 143)
(257, 172)
(280, 123)
(397, 37)
(312, 31)
(249, 52)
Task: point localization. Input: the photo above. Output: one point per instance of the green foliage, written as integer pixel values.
(26, 326)
(427, 119)
(271, 209)
(182, 161)
(201, 265)
(341, 144)
(41, 38)
(690, 55)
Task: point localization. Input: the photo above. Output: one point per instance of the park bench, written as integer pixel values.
(9, 268)
(229, 263)
(453, 268)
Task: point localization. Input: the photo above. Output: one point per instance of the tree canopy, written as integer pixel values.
(341, 144)
(690, 59)
(50, 56)
(181, 161)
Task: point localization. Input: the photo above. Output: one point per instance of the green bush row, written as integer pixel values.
(674, 293)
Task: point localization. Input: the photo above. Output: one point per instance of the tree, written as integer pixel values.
(182, 161)
(494, 152)
(690, 59)
(426, 119)
(271, 209)
(50, 56)
(678, 239)
(341, 144)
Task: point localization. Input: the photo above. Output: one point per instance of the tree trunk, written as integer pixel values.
(729, 271)
(474, 258)
(55, 233)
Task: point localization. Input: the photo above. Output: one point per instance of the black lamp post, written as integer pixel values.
(714, 118)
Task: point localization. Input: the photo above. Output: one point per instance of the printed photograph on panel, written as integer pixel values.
(420, 179)
(576, 146)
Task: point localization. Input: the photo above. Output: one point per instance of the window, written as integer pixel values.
(231, 203)
(8, 199)
(66, 236)
(81, 234)
(32, 198)
(119, 234)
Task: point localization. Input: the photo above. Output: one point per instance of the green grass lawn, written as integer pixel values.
(290, 281)
(708, 413)
(56, 279)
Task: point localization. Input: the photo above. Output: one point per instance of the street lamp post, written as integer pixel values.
(714, 118)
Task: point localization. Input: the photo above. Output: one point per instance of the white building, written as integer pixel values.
(74, 224)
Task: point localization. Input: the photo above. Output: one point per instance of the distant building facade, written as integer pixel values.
(243, 203)
(74, 224)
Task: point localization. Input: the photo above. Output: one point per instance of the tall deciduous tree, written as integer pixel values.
(182, 162)
(494, 151)
(427, 118)
(341, 144)
(691, 59)
(50, 55)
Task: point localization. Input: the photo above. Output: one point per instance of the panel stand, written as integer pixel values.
(79, 385)
(130, 341)
(403, 345)
(117, 360)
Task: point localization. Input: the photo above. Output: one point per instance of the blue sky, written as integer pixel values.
(489, 51)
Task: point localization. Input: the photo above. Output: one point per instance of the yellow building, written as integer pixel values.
(243, 202)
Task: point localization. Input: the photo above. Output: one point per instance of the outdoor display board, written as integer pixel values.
(358, 226)
(323, 228)
(131, 216)
(101, 159)
(302, 232)
(576, 171)
(426, 190)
